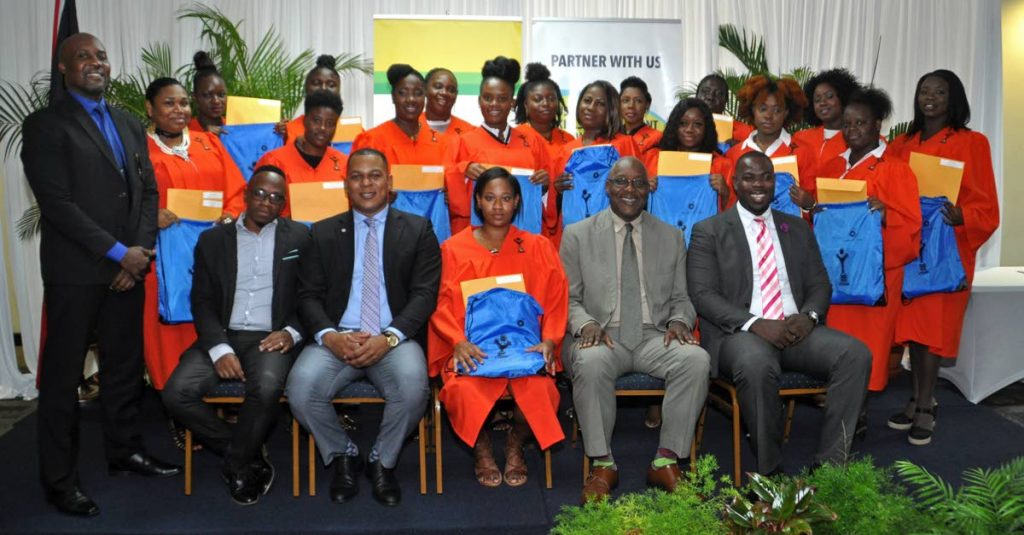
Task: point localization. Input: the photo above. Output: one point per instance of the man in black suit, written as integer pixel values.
(89, 170)
(761, 290)
(367, 286)
(244, 299)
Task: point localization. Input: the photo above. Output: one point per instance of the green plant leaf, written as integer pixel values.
(29, 223)
(750, 53)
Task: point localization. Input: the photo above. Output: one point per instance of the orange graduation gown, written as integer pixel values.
(741, 130)
(469, 400)
(892, 182)
(559, 138)
(332, 166)
(824, 149)
(806, 162)
(209, 168)
(935, 320)
(399, 148)
(646, 138)
(455, 129)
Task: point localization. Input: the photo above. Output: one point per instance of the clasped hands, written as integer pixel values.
(134, 264)
(466, 355)
(229, 367)
(357, 349)
(783, 333)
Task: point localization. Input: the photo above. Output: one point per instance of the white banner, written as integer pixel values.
(579, 51)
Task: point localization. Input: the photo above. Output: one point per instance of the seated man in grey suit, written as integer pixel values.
(629, 312)
(368, 283)
(761, 290)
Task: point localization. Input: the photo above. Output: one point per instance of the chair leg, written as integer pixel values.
(188, 462)
(575, 431)
(312, 466)
(790, 409)
(547, 467)
(586, 467)
(295, 458)
(439, 477)
(736, 470)
(699, 436)
(423, 455)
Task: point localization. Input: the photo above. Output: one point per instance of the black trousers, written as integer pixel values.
(73, 314)
(265, 375)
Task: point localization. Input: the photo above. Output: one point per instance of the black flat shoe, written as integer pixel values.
(920, 435)
(264, 471)
(385, 485)
(345, 484)
(73, 502)
(242, 486)
(143, 464)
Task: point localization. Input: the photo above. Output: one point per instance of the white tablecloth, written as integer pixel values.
(992, 345)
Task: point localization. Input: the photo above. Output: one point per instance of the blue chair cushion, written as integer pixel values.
(790, 380)
(227, 389)
(359, 389)
(639, 381)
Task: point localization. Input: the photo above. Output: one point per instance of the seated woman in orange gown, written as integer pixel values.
(713, 90)
(210, 95)
(827, 92)
(442, 91)
(540, 106)
(634, 102)
(493, 249)
(932, 323)
(773, 105)
(405, 139)
(322, 77)
(182, 159)
(892, 190)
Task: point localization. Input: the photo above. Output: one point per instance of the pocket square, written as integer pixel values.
(287, 258)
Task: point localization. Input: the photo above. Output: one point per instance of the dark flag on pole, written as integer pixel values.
(65, 23)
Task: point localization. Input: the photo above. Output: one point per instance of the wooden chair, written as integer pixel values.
(631, 385)
(359, 392)
(233, 393)
(437, 444)
(791, 385)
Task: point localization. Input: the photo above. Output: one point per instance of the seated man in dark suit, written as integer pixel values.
(761, 291)
(368, 283)
(244, 307)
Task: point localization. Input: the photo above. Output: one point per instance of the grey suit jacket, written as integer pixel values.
(721, 274)
(588, 255)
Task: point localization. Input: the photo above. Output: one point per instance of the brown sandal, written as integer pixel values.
(484, 465)
(515, 461)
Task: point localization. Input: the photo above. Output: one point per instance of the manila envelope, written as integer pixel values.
(937, 176)
(787, 164)
(417, 177)
(835, 190)
(195, 204)
(248, 110)
(516, 171)
(348, 128)
(723, 124)
(678, 163)
(313, 201)
(475, 286)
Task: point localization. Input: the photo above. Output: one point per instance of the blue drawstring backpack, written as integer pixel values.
(503, 323)
(589, 168)
(850, 238)
(683, 201)
(247, 143)
(175, 247)
(344, 147)
(938, 268)
(428, 204)
(531, 206)
(782, 202)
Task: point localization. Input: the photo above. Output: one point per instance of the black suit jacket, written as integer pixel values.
(215, 274)
(720, 269)
(87, 205)
(412, 272)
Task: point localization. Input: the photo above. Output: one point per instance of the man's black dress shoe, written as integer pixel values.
(385, 485)
(345, 484)
(242, 486)
(73, 502)
(144, 464)
(264, 471)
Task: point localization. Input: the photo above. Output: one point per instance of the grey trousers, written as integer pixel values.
(684, 368)
(318, 376)
(754, 366)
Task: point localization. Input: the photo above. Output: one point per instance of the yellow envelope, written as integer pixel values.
(678, 163)
(348, 129)
(248, 110)
(834, 190)
(194, 204)
(937, 176)
(417, 177)
(787, 164)
(312, 201)
(723, 125)
(475, 286)
(516, 171)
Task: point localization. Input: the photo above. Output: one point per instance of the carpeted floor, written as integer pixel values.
(967, 435)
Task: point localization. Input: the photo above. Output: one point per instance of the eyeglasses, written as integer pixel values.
(621, 182)
(261, 194)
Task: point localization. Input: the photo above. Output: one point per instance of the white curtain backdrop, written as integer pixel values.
(917, 36)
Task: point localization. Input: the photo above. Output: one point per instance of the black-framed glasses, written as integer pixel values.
(274, 198)
(621, 182)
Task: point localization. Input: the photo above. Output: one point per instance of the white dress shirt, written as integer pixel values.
(751, 228)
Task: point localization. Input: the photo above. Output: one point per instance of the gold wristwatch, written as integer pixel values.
(392, 339)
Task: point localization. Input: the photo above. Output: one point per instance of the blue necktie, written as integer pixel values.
(110, 134)
(369, 309)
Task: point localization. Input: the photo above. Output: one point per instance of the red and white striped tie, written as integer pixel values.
(771, 289)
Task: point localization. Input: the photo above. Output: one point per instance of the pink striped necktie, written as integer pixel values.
(771, 289)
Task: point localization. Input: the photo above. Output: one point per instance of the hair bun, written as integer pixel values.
(398, 71)
(501, 67)
(536, 72)
(202, 61)
(326, 61)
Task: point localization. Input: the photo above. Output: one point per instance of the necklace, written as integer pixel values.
(166, 134)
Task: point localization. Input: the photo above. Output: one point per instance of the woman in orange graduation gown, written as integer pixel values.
(404, 139)
(691, 128)
(634, 102)
(828, 92)
(183, 160)
(442, 91)
(713, 90)
(322, 77)
(539, 106)
(773, 104)
(932, 323)
(493, 249)
(210, 95)
(310, 157)
(493, 143)
(892, 189)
